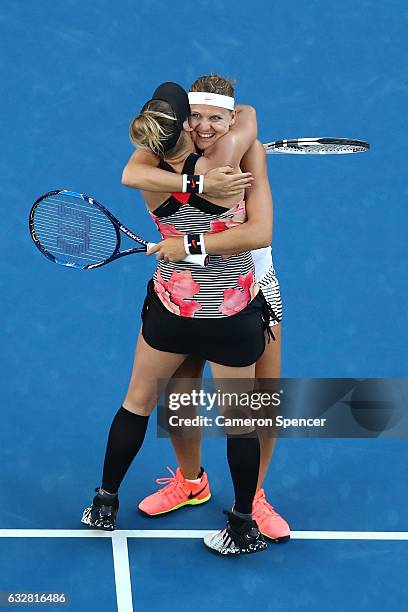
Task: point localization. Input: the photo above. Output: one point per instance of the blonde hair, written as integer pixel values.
(154, 125)
(214, 83)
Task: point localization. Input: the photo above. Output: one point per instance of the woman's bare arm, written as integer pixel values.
(255, 233)
(142, 172)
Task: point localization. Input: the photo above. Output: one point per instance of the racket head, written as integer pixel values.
(317, 146)
(74, 230)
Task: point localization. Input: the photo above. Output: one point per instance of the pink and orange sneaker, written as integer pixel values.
(269, 522)
(176, 493)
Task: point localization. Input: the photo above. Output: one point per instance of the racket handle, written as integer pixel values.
(198, 260)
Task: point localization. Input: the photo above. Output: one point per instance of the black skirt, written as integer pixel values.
(236, 341)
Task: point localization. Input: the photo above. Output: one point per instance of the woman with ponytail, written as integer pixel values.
(215, 313)
(190, 476)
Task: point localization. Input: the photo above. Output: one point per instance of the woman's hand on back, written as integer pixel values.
(222, 183)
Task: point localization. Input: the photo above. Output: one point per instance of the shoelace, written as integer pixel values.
(171, 483)
(266, 506)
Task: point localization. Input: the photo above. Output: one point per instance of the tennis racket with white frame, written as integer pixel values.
(317, 146)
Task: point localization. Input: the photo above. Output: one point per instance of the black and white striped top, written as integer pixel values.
(227, 284)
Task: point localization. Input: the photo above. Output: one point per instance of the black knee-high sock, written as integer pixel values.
(126, 436)
(243, 457)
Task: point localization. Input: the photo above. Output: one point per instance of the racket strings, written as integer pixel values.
(308, 146)
(65, 248)
(87, 207)
(74, 230)
(68, 249)
(316, 148)
(99, 219)
(49, 222)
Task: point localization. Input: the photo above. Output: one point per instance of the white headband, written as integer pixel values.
(211, 99)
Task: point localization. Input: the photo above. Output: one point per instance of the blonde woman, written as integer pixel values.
(216, 313)
(189, 485)
(212, 128)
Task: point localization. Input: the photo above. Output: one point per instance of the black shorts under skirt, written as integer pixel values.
(237, 341)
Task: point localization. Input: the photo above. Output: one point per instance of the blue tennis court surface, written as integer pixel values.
(73, 74)
(329, 582)
(61, 566)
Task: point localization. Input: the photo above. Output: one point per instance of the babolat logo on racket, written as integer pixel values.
(72, 249)
(73, 223)
(72, 214)
(74, 232)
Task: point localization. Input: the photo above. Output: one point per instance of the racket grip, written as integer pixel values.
(198, 260)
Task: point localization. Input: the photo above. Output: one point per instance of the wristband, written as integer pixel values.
(193, 183)
(197, 260)
(194, 244)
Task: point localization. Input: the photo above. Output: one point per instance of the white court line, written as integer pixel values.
(121, 556)
(122, 572)
(188, 533)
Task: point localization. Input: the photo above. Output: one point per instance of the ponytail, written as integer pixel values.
(153, 126)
